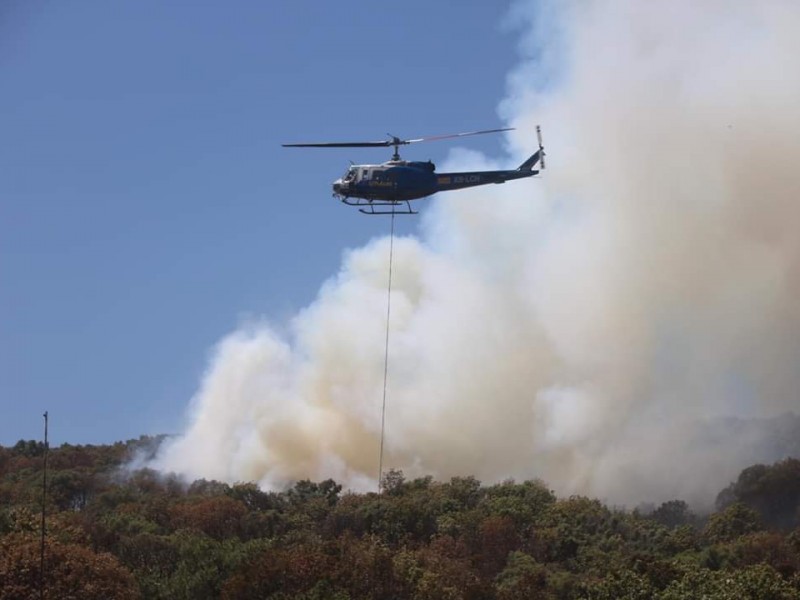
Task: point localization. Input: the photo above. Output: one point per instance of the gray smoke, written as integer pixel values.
(589, 328)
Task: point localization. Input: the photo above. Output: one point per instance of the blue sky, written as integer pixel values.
(146, 206)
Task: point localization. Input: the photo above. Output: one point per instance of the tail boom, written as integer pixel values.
(457, 181)
(535, 158)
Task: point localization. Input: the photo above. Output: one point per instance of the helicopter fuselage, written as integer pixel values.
(400, 180)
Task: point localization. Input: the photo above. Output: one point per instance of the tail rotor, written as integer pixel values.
(541, 147)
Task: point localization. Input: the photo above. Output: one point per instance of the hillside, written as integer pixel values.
(114, 533)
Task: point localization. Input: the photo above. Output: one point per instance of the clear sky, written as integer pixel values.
(146, 206)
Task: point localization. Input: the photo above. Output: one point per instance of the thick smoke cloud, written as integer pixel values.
(592, 328)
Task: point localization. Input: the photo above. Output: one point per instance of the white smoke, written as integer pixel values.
(583, 328)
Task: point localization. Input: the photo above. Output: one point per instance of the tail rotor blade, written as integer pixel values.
(541, 147)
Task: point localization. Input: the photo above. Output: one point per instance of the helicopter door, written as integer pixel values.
(365, 174)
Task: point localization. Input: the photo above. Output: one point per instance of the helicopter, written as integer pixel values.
(388, 188)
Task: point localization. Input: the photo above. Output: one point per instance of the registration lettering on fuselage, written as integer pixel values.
(466, 178)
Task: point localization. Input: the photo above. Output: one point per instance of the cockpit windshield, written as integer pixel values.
(350, 175)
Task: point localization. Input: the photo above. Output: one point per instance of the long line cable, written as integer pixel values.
(386, 355)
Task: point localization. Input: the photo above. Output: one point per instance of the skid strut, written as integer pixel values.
(380, 207)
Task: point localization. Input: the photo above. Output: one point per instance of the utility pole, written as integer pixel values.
(44, 512)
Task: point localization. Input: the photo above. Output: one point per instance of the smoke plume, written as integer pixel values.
(589, 328)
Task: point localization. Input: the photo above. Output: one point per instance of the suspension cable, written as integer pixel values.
(386, 355)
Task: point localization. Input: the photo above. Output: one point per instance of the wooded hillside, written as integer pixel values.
(113, 533)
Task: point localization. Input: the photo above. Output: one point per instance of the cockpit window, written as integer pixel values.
(351, 174)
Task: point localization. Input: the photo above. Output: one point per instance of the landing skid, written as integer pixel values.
(376, 207)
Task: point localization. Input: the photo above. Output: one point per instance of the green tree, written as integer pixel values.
(772, 491)
(392, 482)
(254, 498)
(522, 578)
(305, 491)
(28, 448)
(673, 513)
(727, 525)
(465, 491)
(758, 582)
(71, 489)
(441, 570)
(622, 585)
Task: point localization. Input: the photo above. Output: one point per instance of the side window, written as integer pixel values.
(365, 175)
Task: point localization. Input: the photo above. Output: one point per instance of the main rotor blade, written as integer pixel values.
(341, 145)
(457, 135)
(395, 141)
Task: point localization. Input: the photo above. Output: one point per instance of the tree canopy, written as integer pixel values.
(120, 533)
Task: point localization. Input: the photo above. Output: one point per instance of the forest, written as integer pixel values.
(113, 532)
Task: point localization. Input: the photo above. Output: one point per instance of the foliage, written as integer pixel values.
(130, 533)
(727, 525)
(71, 572)
(673, 513)
(759, 582)
(772, 491)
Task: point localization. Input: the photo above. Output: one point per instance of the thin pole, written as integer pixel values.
(386, 355)
(44, 511)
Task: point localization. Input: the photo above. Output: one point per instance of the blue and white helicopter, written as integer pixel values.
(388, 188)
